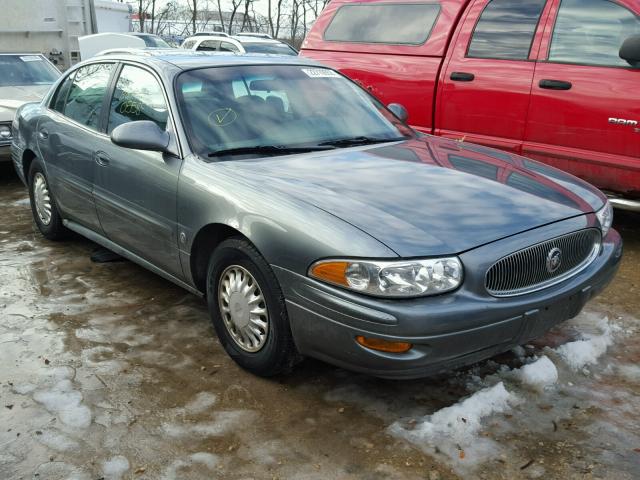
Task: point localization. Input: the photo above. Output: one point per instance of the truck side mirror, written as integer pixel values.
(630, 50)
(399, 111)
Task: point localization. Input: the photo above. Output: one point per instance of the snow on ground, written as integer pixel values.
(539, 374)
(461, 433)
(592, 346)
(454, 430)
(115, 467)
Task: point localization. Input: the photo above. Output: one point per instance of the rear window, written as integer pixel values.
(409, 23)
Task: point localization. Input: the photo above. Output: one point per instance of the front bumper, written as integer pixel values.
(447, 331)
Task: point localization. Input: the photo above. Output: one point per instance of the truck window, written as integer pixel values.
(591, 32)
(506, 29)
(409, 23)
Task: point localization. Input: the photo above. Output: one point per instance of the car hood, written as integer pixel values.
(426, 196)
(12, 98)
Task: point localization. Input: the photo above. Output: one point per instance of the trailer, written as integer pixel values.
(52, 27)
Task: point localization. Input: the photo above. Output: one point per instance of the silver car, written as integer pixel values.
(311, 217)
(24, 77)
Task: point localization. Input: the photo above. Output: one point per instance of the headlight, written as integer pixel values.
(605, 217)
(5, 132)
(404, 278)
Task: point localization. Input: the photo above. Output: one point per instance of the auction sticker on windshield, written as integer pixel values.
(31, 58)
(320, 73)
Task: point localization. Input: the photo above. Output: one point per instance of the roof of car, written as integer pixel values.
(187, 59)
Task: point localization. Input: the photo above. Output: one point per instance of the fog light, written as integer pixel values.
(383, 345)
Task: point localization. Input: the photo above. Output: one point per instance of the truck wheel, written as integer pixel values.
(248, 309)
(43, 205)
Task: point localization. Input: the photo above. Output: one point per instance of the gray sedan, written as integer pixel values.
(311, 217)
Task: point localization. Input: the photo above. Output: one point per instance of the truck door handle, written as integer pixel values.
(101, 159)
(555, 85)
(43, 134)
(462, 77)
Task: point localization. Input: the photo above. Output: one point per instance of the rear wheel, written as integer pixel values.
(43, 205)
(248, 309)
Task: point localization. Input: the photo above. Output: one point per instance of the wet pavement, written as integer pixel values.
(107, 372)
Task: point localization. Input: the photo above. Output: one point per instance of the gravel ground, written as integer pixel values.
(109, 372)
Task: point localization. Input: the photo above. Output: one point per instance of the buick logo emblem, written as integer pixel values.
(554, 260)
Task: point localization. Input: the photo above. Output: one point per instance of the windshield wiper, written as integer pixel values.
(269, 150)
(360, 140)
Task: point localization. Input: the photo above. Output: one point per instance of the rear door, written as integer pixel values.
(68, 136)
(486, 83)
(585, 105)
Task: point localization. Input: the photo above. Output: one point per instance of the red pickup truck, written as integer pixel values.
(554, 80)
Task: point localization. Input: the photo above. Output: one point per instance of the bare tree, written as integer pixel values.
(235, 4)
(193, 10)
(220, 15)
(143, 5)
(274, 18)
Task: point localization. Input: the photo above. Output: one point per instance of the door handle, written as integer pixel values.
(101, 159)
(555, 85)
(462, 77)
(43, 134)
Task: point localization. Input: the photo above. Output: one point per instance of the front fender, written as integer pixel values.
(288, 232)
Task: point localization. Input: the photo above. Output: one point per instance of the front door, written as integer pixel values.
(135, 190)
(487, 78)
(68, 136)
(585, 105)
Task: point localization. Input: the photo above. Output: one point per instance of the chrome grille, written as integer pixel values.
(530, 269)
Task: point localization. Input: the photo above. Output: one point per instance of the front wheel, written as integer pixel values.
(248, 310)
(43, 205)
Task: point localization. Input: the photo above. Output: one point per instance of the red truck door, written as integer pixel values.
(486, 83)
(585, 105)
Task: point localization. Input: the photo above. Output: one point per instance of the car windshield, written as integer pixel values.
(154, 42)
(269, 109)
(268, 47)
(20, 70)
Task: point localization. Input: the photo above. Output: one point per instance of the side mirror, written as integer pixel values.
(141, 135)
(399, 111)
(630, 50)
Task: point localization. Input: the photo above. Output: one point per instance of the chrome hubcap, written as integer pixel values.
(243, 308)
(41, 198)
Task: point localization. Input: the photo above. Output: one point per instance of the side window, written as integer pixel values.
(228, 47)
(84, 103)
(60, 97)
(506, 29)
(188, 45)
(137, 96)
(208, 46)
(400, 24)
(591, 32)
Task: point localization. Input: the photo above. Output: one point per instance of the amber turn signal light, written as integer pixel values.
(332, 272)
(383, 345)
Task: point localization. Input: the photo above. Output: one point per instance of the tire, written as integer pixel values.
(231, 261)
(50, 225)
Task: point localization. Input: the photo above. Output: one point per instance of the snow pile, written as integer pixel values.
(592, 346)
(64, 401)
(455, 430)
(115, 467)
(538, 374)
